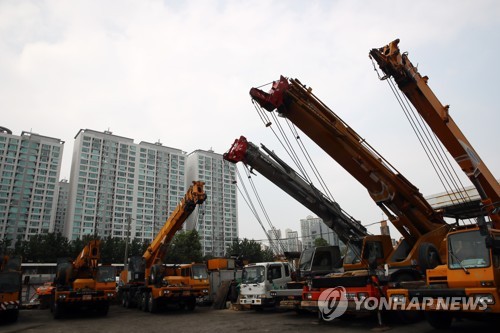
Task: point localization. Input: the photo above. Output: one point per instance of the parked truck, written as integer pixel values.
(10, 287)
(83, 283)
(259, 279)
(422, 228)
(471, 272)
(150, 284)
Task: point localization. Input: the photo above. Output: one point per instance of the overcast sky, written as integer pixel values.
(180, 71)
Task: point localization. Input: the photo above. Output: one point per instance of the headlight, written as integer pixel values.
(166, 292)
(205, 291)
(273, 294)
(308, 296)
(487, 283)
(399, 299)
(350, 296)
(362, 296)
(485, 298)
(62, 296)
(110, 294)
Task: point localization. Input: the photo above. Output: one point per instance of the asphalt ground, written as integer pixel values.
(206, 319)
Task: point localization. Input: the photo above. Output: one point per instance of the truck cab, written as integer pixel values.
(259, 279)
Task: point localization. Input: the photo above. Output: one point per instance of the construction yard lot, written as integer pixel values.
(206, 319)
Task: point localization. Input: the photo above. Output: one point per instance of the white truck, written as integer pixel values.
(259, 279)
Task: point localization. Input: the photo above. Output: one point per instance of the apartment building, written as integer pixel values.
(62, 205)
(113, 178)
(312, 228)
(30, 166)
(217, 220)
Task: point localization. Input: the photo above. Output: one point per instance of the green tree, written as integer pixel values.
(112, 250)
(184, 248)
(4, 245)
(77, 245)
(249, 250)
(320, 242)
(137, 248)
(43, 247)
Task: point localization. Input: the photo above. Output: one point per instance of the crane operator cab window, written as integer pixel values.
(200, 272)
(373, 250)
(106, 274)
(467, 250)
(352, 256)
(274, 272)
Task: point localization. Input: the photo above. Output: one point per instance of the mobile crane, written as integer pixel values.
(350, 231)
(10, 287)
(149, 283)
(472, 271)
(83, 283)
(422, 228)
(282, 175)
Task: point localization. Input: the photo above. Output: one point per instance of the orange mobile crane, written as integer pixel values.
(83, 283)
(422, 228)
(472, 272)
(10, 287)
(150, 284)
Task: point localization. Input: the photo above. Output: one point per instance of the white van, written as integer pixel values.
(259, 279)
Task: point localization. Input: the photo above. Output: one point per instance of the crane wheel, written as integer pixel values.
(144, 301)
(428, 256)
(152, 304)
(438, 319)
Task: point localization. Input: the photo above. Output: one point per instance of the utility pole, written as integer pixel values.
(129, 219)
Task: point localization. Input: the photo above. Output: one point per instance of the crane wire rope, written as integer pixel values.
(309, 160)
(268, 123)
(261, 204)
(433, 149)
(291, 151)
(251, 206)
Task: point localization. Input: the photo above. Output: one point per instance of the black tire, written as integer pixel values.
(428, 257)
(144, 301)
(104, 309)
(57, 310)
(439, 320)
(11, 315)
(125, 300)
(152, 304)
(139, 301)
(191, 304)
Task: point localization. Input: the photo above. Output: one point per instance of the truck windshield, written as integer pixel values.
(10, 282)
(352, 256)
(467, 250)
(106, 274)
(306, 260)
(254, 274)
(200, 272)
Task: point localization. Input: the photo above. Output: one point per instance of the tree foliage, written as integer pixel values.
(50, 247)
(320, 242)
(249, 250)
(184, 248)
